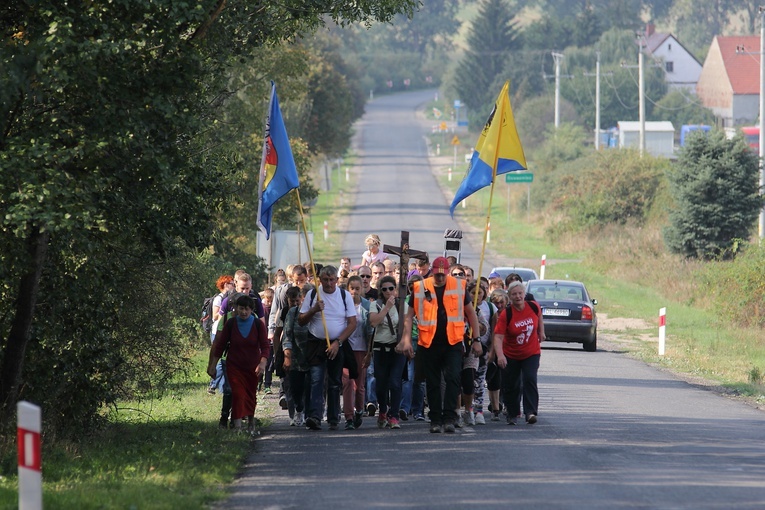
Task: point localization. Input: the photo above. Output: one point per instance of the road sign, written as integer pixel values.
(437, 113)
(519, 177)
(455, 140)
(443, 126)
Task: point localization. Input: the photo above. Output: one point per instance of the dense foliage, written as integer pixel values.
(122, 151)
(715, 188)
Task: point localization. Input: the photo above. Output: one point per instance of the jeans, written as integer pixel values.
(316, 391)
(371, 395)
(413, 394)
(442, 359)
(389, 367)
(515, 372)
(334, 387)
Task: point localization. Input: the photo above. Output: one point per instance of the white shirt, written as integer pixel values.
(335, 313)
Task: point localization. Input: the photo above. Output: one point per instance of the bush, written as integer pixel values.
(715, 189)
(608, 187)
(740, 286)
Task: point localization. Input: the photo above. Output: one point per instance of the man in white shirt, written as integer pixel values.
(340, 319)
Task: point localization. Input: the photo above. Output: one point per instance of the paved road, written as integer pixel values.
(613, 433)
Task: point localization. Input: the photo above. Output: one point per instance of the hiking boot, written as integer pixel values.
(435, 429)
(382, 420)
(531, 419)
(449, 428)
(357, 419)
(402, 415)
(371, 409)
(479, 419)
(393, 423)
(349, 425)
(312, 424)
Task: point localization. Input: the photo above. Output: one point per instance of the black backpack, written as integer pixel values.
(509, 310)
(207, 312)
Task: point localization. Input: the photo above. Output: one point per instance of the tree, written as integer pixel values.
(715, 188)
(113, 121)
(680, 107)
(492, 37)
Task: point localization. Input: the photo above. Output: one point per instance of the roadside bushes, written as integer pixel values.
(739, 286)
(607, 187)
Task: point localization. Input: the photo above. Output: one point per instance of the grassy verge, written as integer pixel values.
(333, 206)
(163, 453)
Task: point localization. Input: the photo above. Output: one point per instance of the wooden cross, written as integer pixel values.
(404, 253)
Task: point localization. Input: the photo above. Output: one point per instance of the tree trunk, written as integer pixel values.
(21, 326)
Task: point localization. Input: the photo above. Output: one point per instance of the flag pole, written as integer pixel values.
(488, 217)
(313, 266)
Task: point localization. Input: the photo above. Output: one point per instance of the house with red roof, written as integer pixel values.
(729, 84)
(682, 69)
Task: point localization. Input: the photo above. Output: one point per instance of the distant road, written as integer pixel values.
(613, 433)
(397, 190)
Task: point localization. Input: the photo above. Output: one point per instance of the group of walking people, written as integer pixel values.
(391, 341)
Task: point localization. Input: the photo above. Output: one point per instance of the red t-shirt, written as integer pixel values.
(521, 339)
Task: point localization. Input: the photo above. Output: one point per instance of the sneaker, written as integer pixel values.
(371, 409)
(531, 419)
(299, 420)
(382, 420)
(349, 425)
(333, 425)
(419, 417)
(283, 402)
(357, 419)
(267, 390)
(211, 391)
(292, 422)
(435, 429)
(495, 416)
(402, 415)
(512, 421)
(479, 419)
(460, 421)
(449, 428)
(312, 424)
(393, 423)
(470, 418)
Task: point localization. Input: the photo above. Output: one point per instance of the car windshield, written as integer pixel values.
(560, 292)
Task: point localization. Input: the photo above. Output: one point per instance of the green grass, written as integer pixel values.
(333, 206)
(163, 453)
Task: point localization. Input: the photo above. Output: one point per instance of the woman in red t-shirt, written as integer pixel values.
(517, 347)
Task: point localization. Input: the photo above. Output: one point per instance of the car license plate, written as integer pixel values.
(558, 312)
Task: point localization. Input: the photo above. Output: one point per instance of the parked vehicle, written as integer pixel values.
(525, 273)
(568, 312)
(752, 136)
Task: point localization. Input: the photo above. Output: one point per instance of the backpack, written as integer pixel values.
(207, 312)
(342, 295)
(509, 310)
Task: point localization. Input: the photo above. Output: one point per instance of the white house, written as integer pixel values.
(681, 68)
(659, 137)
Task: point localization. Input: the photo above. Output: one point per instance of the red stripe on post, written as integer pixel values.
(662, 320)
(28, 443)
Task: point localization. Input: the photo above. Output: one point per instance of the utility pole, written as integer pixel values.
(597, 99)
(557, 57)
(641, 82)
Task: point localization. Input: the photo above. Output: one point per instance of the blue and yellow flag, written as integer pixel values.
(278, 174)
(498, 150)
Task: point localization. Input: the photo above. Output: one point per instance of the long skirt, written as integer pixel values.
(244, 391)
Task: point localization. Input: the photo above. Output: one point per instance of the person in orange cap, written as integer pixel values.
(442, 307)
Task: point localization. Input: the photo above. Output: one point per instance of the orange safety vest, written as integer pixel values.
(427, 311)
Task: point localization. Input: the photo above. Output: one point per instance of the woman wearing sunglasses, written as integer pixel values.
(389, 365)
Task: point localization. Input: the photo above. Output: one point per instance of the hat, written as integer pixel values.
(440, 265)
(494, 274)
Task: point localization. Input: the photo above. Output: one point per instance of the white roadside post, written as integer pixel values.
(488, 232)
(347, 174)
(662, 330)
(326, 231)
(450, 174)
(542, 268)
(30, 468)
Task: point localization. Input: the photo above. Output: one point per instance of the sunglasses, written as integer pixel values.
(365, 276)
(387, 289)
(458, 274)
